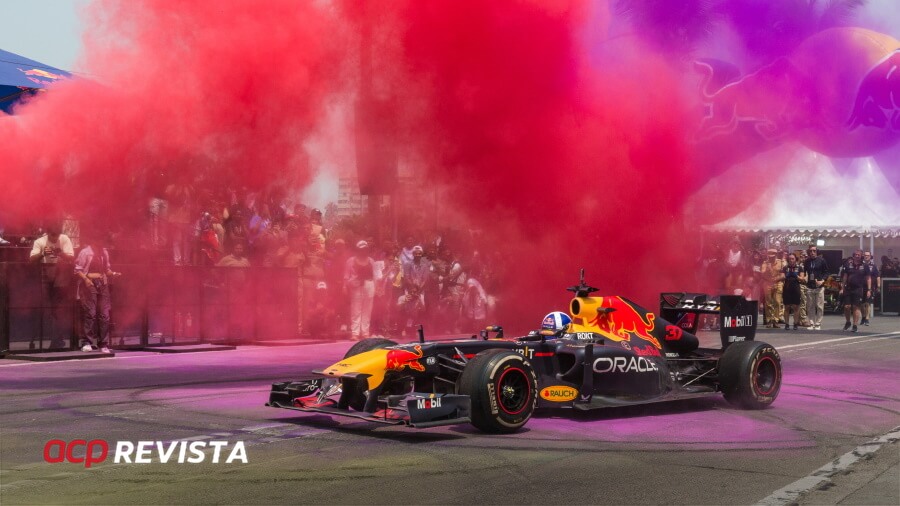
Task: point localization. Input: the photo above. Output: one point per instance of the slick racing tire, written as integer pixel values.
(750, 374)
(502, 387)
(358, 389)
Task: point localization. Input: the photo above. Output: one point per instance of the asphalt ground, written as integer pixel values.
(841, 392)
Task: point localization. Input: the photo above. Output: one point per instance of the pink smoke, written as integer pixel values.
(227, 90)
(565, 148)
(563, 160)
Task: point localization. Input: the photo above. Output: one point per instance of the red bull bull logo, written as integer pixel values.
(397, 360)
(756, 105)
(41, 76)
(625, 321)
(877, 101)
(837, 93)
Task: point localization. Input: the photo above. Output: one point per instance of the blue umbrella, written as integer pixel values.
(21, 77)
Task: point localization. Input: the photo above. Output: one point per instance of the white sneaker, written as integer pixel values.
(3, 242)
(87, 347)
(105, 350)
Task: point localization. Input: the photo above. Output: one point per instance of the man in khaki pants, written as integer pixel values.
(816, 272)
(804, 320)
(770, 272)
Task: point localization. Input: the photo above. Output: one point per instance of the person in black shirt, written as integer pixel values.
(856, 286)
(793, 275)
(869, 301)
(816, 274)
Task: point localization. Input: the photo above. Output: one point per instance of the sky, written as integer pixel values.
(48, 31)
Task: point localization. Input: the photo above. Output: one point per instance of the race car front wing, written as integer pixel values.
(415, 409)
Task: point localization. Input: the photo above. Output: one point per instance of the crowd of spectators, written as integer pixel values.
(90, 272)
(795, 285)
(349, 280)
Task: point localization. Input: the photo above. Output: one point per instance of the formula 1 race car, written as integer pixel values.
(611, 353)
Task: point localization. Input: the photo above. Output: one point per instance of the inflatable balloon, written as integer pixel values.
(838, 93)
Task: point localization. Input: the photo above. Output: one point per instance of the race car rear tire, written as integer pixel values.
(358, 388)
(502, 387)
(750, 374)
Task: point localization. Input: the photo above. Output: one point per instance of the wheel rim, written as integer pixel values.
(513, 391)
(766, 378)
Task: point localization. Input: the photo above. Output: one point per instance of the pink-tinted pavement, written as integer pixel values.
(840, 390)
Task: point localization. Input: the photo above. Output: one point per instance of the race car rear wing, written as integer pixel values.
(737, 315)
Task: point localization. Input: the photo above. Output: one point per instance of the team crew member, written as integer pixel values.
(856, 284)
(793, 275)
(816, 274)
(773, 287)
(868, 304)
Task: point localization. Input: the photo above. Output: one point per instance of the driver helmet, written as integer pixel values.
(556, 321)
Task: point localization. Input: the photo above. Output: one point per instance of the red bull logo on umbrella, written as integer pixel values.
(625, 321)
(41, 76)
(397, 360)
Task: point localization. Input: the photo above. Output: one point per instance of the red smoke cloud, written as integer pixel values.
(565, 155)
(563, 159)
(227, 89)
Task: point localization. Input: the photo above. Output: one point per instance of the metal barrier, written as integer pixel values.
(152, 305)
(35, 314)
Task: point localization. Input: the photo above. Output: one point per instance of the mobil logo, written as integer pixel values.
(430, 403)
(738, 321)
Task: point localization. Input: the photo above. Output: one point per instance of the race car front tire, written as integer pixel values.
(502, 387)
(358, 388)
(750, 374)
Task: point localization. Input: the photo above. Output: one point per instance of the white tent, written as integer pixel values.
(814, 199)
